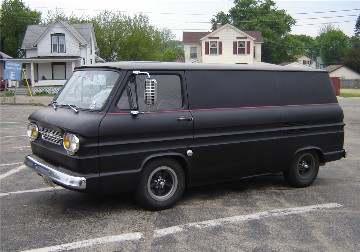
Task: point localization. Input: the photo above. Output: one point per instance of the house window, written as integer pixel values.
(58, 43)
(193, 52)
(307, 62)
(241, 47)
(213, 47)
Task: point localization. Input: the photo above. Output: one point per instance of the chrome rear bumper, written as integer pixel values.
(49, 171)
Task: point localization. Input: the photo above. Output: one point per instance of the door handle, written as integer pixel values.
(183, 118)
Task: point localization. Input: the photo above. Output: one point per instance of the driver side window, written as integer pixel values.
(169, 93)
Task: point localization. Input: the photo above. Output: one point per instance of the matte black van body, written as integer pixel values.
(211, 123)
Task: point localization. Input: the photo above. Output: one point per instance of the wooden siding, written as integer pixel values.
(228, 36)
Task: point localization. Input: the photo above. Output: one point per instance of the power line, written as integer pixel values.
(329, 17)
(139, 12)
(245, 21)
(186, 14)
(322, 12)
(349, 21)
(346, 21)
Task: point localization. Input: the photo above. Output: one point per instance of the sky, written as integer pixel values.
(195, 15)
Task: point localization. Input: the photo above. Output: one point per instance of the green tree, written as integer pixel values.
(220, 18)
(110, 32)
(121, 37)
(351, 59)
(294, 46)
(60, 15)
(143, 41)
(354, 42)
(14, 19)
(169, 55)
(333, 44)
(261, 15)
(310, 46)
(357, 27)
(173, 49)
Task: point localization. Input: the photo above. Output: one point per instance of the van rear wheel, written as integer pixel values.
(161, 185)
(304, 169)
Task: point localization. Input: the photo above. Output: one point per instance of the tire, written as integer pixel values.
(161, 185)
(304, 169)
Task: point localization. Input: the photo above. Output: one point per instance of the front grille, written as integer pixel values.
(51, 136)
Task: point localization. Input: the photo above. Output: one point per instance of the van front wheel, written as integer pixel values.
(304, 169)
(161, 185)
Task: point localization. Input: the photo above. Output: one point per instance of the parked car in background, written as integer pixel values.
(3, 84)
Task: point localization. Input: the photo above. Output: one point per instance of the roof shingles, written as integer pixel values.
(332, 68)
(33, 33)
(195, 37)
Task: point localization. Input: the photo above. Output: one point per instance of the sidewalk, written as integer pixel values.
(25, 99)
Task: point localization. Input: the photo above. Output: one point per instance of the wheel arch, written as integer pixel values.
(181, 159)
(317, 150)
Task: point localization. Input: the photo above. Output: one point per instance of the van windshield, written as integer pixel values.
(87, 89)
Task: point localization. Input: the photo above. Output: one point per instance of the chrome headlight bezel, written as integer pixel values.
(32, 131)
(71, 143)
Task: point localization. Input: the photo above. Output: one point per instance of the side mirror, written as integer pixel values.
(150, 92)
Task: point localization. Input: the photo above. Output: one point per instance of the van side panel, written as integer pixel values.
(254, 122)
(312, 117)
(236, 124)
(296, 88)
(231, 89)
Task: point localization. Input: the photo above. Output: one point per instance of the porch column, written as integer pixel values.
(32, 74)
(72, 66)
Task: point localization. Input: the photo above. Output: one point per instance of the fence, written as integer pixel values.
(350, 83)
(35, 90)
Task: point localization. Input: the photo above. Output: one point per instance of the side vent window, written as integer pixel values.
(128, 99)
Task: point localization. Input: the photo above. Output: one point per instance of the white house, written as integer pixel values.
(295, 64)
(53, 51)
(342, 72)
(227, 44)
(304, 61)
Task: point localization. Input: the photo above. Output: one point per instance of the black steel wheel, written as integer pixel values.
(161, 185)
(303, 170)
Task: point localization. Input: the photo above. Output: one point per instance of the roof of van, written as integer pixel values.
(152, 65)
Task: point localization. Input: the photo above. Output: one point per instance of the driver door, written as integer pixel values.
(133, 132)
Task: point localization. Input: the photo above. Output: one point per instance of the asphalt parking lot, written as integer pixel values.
(258, 214)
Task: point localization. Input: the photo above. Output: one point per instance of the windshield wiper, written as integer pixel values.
(73, 107)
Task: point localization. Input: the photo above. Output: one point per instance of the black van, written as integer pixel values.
(156, 128)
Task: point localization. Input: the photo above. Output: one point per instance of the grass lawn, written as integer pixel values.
(349, 93)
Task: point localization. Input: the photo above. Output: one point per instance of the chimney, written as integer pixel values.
(218, 26)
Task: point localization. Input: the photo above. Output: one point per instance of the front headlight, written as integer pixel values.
(71, 143)
(33, 131)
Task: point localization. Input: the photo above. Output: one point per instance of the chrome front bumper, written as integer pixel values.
(48, 171)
